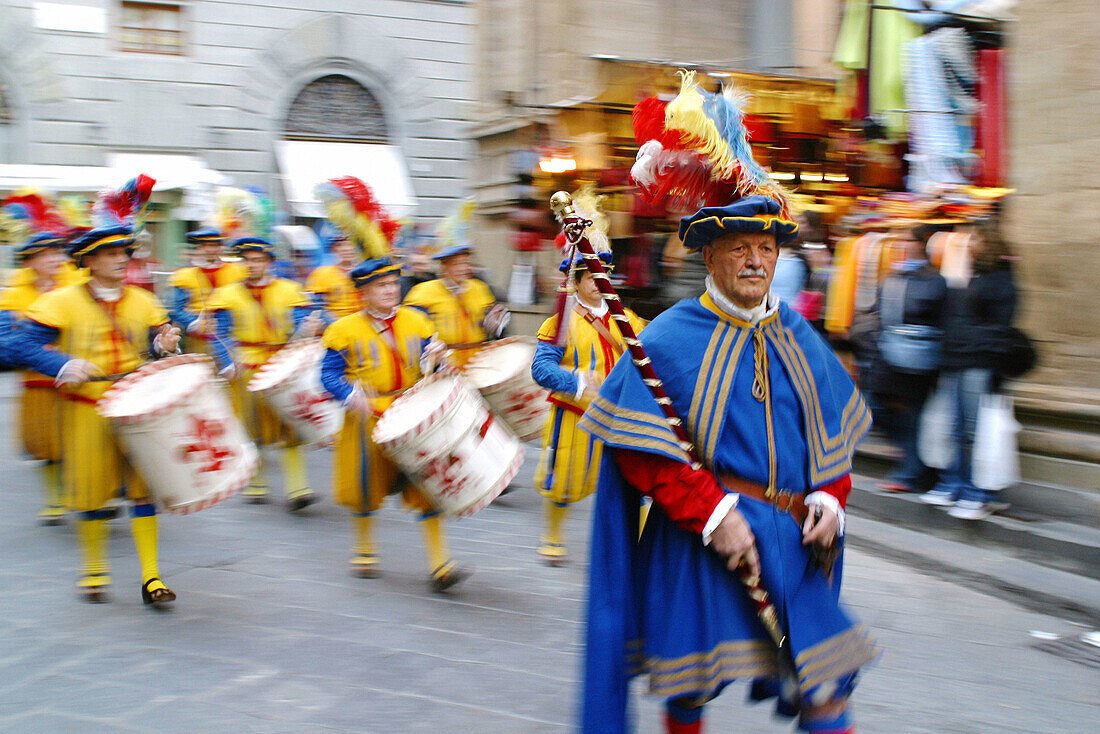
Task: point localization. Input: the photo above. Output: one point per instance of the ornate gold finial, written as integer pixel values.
(562, 204)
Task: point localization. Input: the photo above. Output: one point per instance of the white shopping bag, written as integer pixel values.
(936, 437)
(996, 461)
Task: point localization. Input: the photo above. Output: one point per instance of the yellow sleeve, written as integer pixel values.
(180, 279)
(21, 276)
(483, 297)
(546, 331)
(295, 296)
(636, 321)
(316, 282)
(158, 315)
(220, 299)
(50, 310)
(9, 300)
(420, 295)
(426, 328)
(336, 335)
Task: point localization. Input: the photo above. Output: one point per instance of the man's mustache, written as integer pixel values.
(751, 272)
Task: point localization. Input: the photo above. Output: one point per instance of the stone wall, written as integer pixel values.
(1054, 219)
(76, 98)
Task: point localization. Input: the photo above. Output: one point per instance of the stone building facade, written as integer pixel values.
(229, 81)
(1053, 220)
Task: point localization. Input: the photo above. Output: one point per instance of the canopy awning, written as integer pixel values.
(306, 163)
(170, 171)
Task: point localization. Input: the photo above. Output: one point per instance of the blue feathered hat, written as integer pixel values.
(96, 239)
(38, 243)
(751, 214)
(452, 251)
(204, 236)
(253, 244)
(370, 270)
(581, 265)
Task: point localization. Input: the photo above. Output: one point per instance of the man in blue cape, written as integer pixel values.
(774, 419)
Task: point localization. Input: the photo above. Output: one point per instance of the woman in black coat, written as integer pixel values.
(973, 355)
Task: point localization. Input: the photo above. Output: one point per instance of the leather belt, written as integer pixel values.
(782, 500)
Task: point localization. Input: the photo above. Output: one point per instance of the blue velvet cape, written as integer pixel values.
(664, 605)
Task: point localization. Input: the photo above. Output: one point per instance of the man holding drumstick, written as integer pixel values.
(463, 308)
(255, 318)
(373, 356)
(85, 336)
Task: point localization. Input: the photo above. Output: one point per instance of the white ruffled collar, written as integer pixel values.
(754, 315)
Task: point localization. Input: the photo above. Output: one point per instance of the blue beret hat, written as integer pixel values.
(253, 244)
(38, 243)
(204, 235)
(750, 214)
(605, 258)
(452, 251)
(96, 239)
(372, 269)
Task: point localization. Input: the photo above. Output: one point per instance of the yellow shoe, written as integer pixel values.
(553, 554)
(365, 566)
(93, 587)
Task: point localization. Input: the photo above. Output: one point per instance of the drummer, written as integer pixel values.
(84, 336)
(570, 460)
(463, 308)
(331, 286)
(192, 286)
(372, 357)
(254, 319)
(43, 259)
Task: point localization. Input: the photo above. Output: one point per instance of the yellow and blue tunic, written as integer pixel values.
(458, 317)
(334, 292)
(569, 465)
(383, 357)
(191, 291)
(768, 403)
(114, 336)
(255, 322)
(38, 405)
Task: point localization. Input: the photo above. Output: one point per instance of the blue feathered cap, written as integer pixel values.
(452, 251)
(242, 245)
(96, 239)
(373, 269)
(204, 236)
(750, 214)
(605, 258)
(38, 243)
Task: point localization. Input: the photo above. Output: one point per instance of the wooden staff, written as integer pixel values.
(574, 227)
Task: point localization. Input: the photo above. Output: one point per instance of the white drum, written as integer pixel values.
(502, 373)
(290, 382)
(178, 429)
(443, 435)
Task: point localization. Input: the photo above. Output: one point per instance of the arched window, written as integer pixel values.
(336, 108)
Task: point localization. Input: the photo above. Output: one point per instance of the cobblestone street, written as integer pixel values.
(271, 634)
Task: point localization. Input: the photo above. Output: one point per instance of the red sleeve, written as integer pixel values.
(687, 496)
(840, 489)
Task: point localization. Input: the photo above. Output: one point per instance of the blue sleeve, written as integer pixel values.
(181, 299)
(319, 304)
(300, 313)
(28, 347)
(224, 328)
(7, 333)
(333, 374)
(547, 371)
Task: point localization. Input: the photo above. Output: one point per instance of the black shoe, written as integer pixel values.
(448, 575)
(158, 597)
(300, 501)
